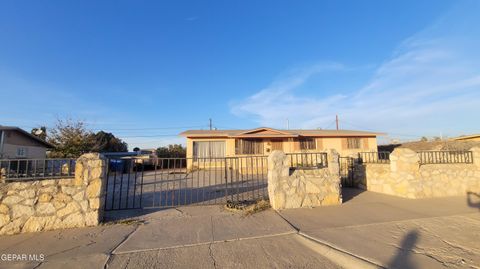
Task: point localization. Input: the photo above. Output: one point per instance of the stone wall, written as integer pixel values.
(405, 177)
(39, 205)
(302, 187)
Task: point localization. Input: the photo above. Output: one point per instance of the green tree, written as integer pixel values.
(107, 142)
(172, 151)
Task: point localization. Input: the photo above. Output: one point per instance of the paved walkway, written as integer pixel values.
(397, 233)
(368, 231)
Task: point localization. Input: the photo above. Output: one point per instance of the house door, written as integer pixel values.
(274, 144)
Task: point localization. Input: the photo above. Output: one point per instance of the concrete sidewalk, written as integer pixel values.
(188, 226)
(382, 230)
(397, 233)
(69, 248)
(189, 237)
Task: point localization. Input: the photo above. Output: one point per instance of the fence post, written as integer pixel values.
(404, 160)
(404, 166)
(476, 156)
(90, 172)
(333, 159)
(278, 168)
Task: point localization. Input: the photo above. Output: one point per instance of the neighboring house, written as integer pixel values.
(262, 141)
(16, 143)
(474, 137)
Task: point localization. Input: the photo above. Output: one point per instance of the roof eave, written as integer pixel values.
(38, 139)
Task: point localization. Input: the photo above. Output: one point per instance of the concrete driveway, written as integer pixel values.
(395, 232)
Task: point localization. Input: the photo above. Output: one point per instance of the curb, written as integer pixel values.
(340, 257)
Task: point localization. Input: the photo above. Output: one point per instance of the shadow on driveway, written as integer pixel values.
(402, 257)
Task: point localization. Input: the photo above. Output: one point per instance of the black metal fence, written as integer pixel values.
(32, 169)
(347, 171)
(445, 157)
(308, 160)
(170, 182)
(374, 157)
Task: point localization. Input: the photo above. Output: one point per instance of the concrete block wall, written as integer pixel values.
(405, 177)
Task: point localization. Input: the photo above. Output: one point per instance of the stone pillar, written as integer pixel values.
(404, 171)
(404, 160)
(333, 162)
(476, 156)
(278, 168)
(90, 172)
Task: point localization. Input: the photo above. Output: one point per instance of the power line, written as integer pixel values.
(154, 128)
(331, 123)
(156, 135)
(128, 129)
(355, 126)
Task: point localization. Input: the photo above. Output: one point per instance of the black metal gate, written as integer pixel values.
(169, 182)
(347, 171)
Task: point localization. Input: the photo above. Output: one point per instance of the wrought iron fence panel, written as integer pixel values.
(35, 169)
(308, 160)
(374, 157)
(445, 157)
(170, 182)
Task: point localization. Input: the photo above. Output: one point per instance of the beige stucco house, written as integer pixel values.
(16, 143)
(262, 141)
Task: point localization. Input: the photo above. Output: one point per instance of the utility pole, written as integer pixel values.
(288, 124)
(336, 121)
(210, 123)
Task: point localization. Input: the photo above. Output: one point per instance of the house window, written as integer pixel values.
(21, 152)
(353, 143)
(208, 149)
(277, 144)
(307, 143)
(248, 146)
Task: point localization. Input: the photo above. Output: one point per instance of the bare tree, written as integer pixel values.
(70, 138)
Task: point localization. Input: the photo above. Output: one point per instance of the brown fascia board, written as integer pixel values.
(339, 136)
(265, 128)
(265, 136)
(206, 136)
(290, 133)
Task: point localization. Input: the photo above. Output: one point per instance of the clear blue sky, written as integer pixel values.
(408, 68)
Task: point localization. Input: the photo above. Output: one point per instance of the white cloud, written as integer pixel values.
(274, 104)
(430, 85)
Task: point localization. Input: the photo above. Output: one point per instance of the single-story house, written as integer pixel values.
(262, 141)
(16, 143)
